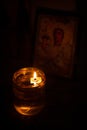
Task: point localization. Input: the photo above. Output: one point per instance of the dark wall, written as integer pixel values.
(16, 28)
(15, 35)
(82, 9)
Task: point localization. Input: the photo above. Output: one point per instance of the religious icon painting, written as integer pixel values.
(55, 41)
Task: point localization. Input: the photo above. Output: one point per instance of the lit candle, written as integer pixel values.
(29, 92)
(35, 80)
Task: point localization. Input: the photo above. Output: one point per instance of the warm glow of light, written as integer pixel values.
(28, 110)
(23, 109)
(35, 75)
(35, 80)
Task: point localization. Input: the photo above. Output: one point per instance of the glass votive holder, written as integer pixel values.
(29, 90)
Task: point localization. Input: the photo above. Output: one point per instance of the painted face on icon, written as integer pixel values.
(58, 35)
(45, 41)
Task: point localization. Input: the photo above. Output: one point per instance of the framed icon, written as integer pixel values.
(55, 41)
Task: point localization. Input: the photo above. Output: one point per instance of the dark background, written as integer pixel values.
(66, 98)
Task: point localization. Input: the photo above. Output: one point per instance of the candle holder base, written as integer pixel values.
(29, 110)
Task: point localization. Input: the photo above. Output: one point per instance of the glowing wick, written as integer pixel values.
(35, 80)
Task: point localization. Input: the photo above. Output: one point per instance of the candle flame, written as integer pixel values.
(35, 80)
(35, 75)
